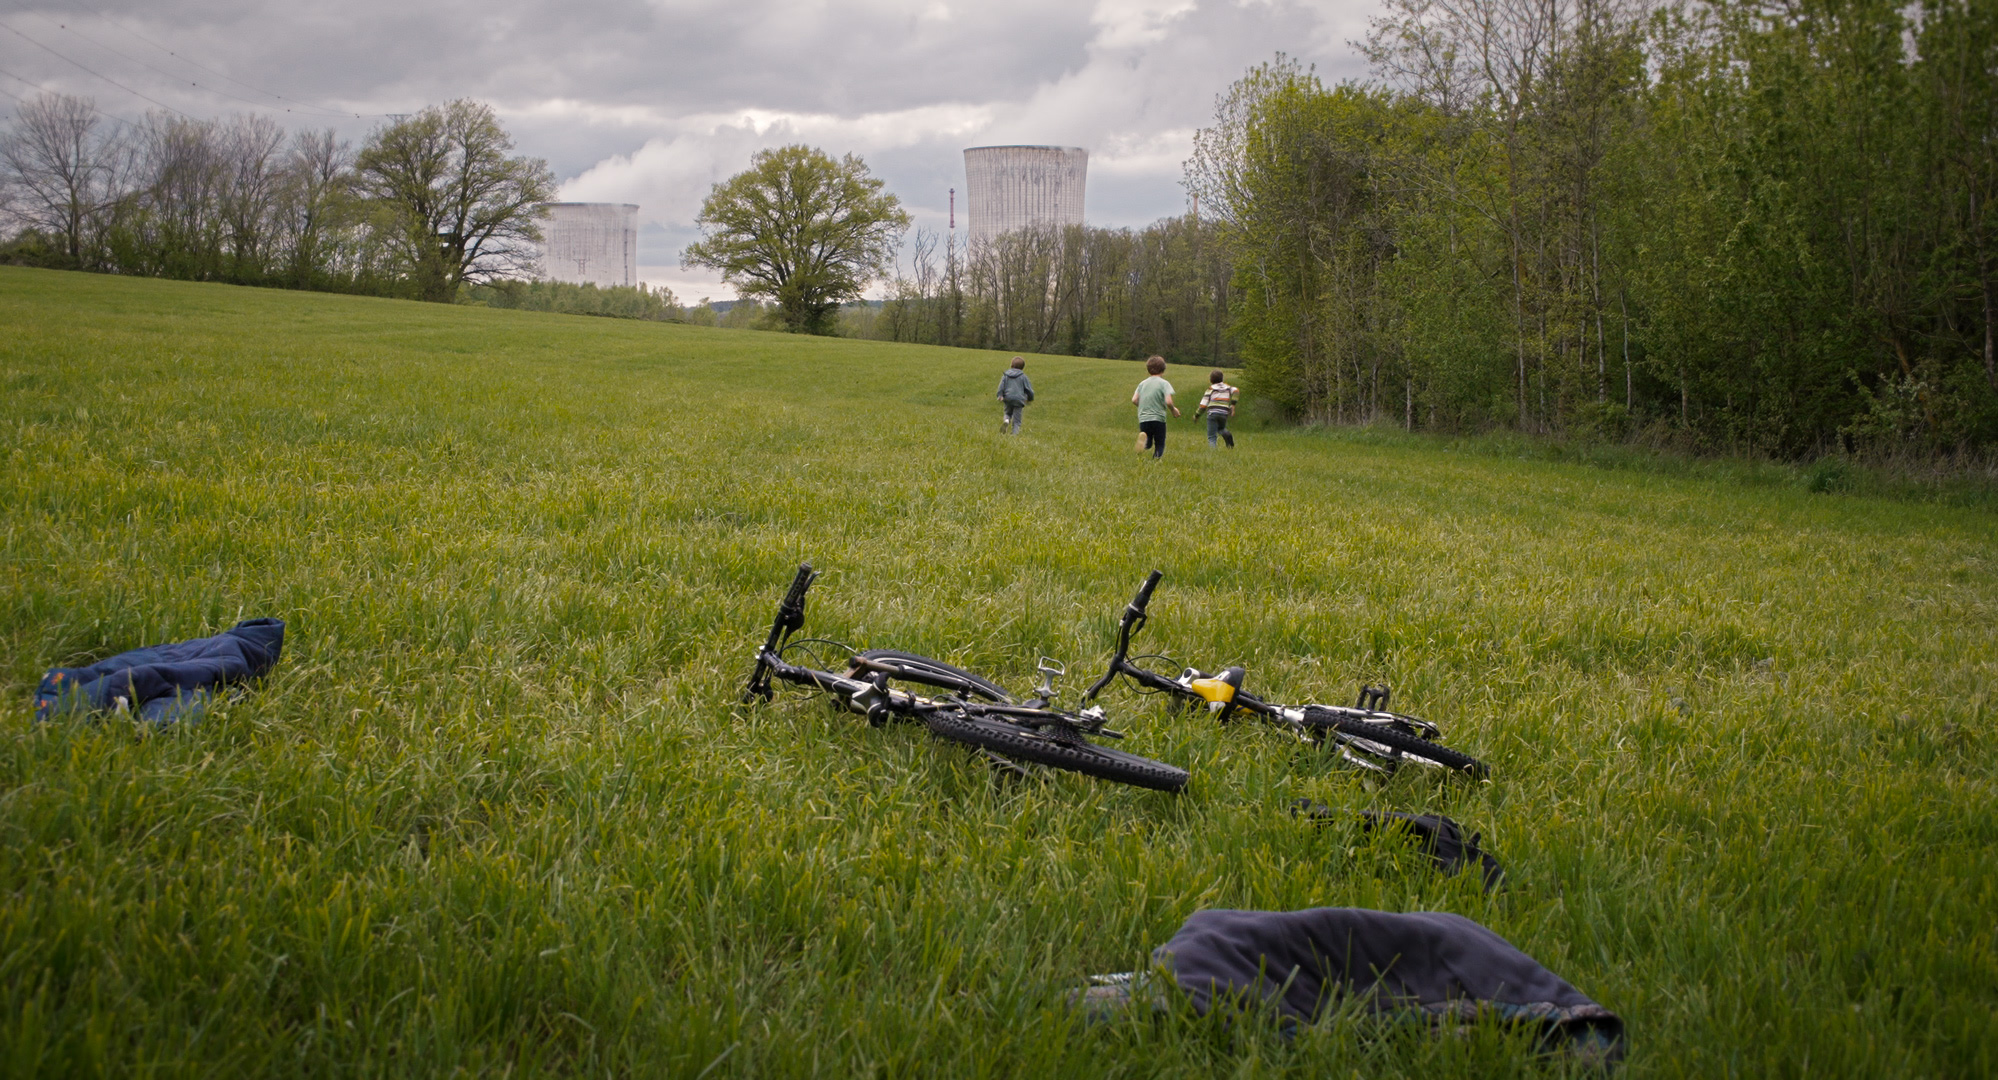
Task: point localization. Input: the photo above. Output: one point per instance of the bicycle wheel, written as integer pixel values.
(1022, 742)
(911, 667)
(1408, 745)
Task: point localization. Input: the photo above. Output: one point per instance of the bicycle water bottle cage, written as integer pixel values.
(1373, 698)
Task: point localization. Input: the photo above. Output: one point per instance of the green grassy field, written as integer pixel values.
(497, 812)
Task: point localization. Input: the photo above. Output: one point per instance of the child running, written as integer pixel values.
(1015, 390)
(1153, 397)
(1219, 404)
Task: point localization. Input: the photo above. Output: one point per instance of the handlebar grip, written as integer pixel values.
(799, 584)
(1144, 596)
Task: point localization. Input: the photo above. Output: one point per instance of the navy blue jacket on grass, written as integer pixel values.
(1422, 964)
(164, 683)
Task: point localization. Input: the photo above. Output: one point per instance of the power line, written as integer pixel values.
(220, 75)
(43, 89)
(210, 89)
(85, 67)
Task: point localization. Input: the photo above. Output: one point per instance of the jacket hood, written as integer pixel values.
(266, 636)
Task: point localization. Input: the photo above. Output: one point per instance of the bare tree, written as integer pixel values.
(252, 173)
(913, 310)
(57, 169)
(314, 182)
(170, 223)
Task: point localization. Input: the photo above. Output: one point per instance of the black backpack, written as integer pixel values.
(1440, 837)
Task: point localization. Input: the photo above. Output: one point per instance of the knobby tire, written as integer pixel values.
(1409, 745)
(1017, 741)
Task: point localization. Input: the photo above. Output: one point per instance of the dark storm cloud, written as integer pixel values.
(395, 55)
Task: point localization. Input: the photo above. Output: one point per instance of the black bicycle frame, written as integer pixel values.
(882, 701)
(1120, 664)
(1127, 628)
(1315, 722)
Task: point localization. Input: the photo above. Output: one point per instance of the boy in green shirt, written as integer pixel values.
(1153, 397)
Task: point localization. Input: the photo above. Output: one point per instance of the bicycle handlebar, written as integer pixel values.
(790, 616)
(791, 612)
(1130, 624)
(1144, 597)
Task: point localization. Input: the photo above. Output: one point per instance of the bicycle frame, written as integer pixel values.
(1223, 694)
(874, 698)
(1000, 730)
(1223, 702)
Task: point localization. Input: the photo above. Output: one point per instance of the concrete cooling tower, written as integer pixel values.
(590, 243)
(1012, 187)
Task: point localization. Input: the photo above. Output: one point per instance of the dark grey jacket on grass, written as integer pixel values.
(1015, 388)
(164, 683)
(1425, 963)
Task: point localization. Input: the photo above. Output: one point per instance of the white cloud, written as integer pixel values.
(1123, 24)
(669, 175)
(1143, 153)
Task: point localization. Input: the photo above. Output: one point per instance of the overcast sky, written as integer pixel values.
(652, 101)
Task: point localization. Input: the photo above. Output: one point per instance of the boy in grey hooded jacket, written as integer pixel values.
(1015, 390)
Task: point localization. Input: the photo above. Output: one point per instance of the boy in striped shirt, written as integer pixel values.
(1219, 403)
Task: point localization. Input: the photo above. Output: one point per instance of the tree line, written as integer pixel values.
(1075, 290)
(427, 205)
(1749, 225)
(811, 232)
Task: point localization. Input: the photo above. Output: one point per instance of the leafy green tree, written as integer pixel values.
(1958, 73)
(802, 229)
(460, 207)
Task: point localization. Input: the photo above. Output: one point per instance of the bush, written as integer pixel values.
(617, 302)
(31, 247)
(1829, 476)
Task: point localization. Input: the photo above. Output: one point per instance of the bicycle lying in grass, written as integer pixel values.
(972, 710)
(1366, 734)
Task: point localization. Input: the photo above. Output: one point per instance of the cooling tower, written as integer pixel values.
(590, 243)
(1012, 187)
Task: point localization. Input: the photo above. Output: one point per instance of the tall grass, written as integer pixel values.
(497, 809)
